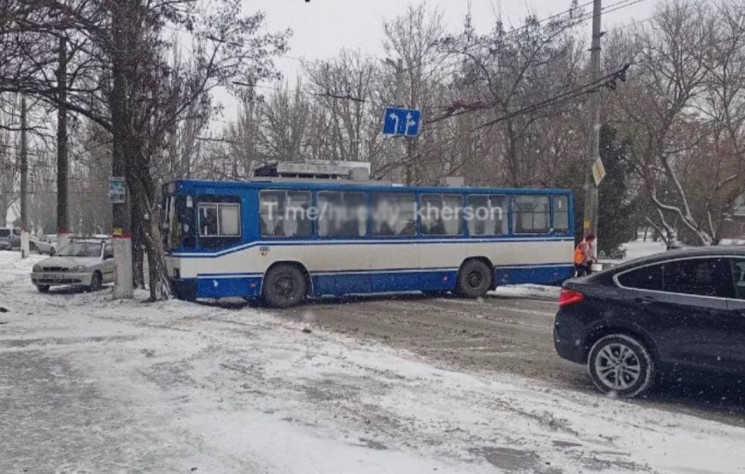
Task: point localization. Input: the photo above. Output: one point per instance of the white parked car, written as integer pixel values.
(81, 262)
(45, 244)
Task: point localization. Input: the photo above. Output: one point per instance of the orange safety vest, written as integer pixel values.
(579, 253)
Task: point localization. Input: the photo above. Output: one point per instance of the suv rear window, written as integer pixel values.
(645, 278)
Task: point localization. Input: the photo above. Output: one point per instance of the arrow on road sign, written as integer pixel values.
(395, 119)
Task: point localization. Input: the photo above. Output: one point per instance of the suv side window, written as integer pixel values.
(701, 277)
(738, 266)
(644, 278)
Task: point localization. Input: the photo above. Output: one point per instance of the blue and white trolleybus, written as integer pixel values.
(283, 239)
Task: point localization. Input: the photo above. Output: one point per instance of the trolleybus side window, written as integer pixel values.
(208, 220)
(393, 214)
(219, 219)
(561, 214)
(531, 214)
(342, 214)
(487, 215)
(441, 214)
(285, 214)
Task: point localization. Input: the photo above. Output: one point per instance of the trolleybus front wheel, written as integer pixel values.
(284, 286)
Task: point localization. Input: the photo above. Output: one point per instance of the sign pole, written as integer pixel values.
(121, 240)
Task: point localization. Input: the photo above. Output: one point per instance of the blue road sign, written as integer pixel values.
(402, 122)
(117, 190)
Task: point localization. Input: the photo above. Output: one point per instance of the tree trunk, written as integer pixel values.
(146, 215)
(138, 274)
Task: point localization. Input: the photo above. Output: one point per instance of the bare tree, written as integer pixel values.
(285, 118)
(505, 71)
(679, 106)
(345, 114)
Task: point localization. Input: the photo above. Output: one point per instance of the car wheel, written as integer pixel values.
(474, 279)
(621, 365)
(284, 286)
(96, 282)
(33, 248)
(43, 288)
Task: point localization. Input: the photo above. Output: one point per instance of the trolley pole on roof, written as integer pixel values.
(590, 222)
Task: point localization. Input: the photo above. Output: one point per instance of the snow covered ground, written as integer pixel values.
(528, 291)
(88, 384)
(640, 249)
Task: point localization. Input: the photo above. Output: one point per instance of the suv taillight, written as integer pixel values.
(567, 297)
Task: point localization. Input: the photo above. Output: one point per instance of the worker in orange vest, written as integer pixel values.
(583, 256)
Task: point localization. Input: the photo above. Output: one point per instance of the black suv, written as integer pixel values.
(682, 309)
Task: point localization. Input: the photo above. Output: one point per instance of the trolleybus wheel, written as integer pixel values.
(284, 286)
(474, 279)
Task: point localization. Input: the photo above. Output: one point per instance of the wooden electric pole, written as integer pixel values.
(63, 227)
(590, 223)
(121, 232)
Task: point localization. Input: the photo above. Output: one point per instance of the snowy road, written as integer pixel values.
(502, 334)
(92, 385)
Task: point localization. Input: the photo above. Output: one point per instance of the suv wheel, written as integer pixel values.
(621, 365)
(42, 288)
(284, 286)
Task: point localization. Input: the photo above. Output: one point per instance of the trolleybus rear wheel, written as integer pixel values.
(474, 279)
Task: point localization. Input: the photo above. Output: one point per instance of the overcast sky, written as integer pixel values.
(322, 27)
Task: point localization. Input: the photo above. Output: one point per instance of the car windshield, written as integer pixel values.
(80, 249)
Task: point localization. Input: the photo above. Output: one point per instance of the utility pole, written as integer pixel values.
(62, 203)
(399, 68)
(121, 232)
(24, 181)
(590, 223)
